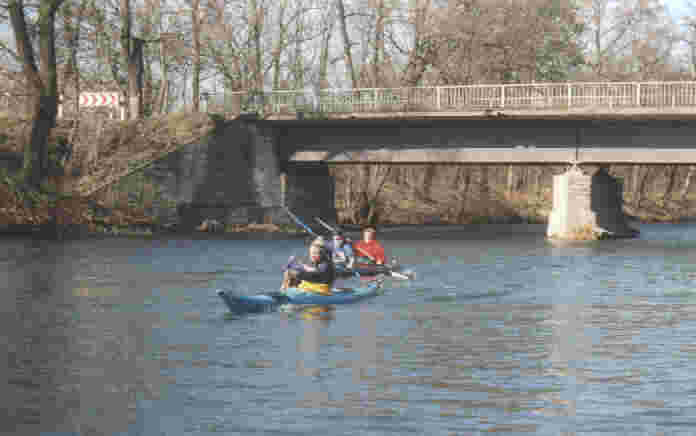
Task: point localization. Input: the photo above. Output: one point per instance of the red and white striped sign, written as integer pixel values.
(88, 99)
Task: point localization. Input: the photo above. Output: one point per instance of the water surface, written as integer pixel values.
(501, 332)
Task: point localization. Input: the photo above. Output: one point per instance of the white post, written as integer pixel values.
(637, 94)
(502, 96)
(374, 101)
(437, 98)
(570, 96)
(122, 104)
(60, 106)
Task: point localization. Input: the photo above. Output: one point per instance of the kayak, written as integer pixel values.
(366, 270)
(294, 296)
(363, 270)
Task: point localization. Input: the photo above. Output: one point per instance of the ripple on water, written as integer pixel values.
(510, 336)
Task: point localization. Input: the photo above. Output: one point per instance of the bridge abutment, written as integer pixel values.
(587, 207)
(266, 173)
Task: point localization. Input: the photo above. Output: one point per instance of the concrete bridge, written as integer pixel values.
(253, 166)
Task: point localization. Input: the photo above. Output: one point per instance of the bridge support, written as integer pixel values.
(587, 207)
(267, 184)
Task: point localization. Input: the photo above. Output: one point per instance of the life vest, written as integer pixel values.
(370, 249)
(316, 288)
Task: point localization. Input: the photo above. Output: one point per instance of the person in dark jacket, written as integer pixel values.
(317, 276)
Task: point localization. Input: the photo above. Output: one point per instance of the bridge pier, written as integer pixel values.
(587, 207)
(267, 179)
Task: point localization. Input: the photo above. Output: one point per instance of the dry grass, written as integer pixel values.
(118, 143)
(20, 207)
(129, 145)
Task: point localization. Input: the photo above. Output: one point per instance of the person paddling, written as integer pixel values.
(341, 253)
(317, 276)
(370, 247)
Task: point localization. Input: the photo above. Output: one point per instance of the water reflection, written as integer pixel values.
(73, 365)
(37, 325)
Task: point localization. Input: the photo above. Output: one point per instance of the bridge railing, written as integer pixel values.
(526, 96)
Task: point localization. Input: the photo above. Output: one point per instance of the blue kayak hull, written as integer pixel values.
(294, 296)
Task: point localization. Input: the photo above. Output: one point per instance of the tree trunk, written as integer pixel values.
(126, 56)
(299, 59)
(36, 154)
(347, 55)
(687, 182)
(379, 44)
(280, 44)
(196, 80)
(135, 78)
(44, 83)
(671, 180)
(324, 55)
(255, 28)
(164, 82)
(421, 51)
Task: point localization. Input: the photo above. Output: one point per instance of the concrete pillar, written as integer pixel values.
(587, 207)
(571, 217)
(266, 176)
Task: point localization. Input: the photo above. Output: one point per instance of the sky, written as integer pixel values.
(677, 8)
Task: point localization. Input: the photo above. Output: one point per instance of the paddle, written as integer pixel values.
(299, 221)
(393, 273)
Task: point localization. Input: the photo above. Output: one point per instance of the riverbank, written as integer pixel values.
(31, 212)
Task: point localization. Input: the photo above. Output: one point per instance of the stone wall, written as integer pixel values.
(232, 176)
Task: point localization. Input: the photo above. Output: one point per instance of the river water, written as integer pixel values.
(501, 332)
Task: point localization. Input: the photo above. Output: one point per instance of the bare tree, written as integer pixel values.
(616, 31)
(73, 15)
(196, 80)
(329, 19)
(255, 19)
(422, 52)
(280, 43)
(43, 81)
(347, 46)
(688, 37)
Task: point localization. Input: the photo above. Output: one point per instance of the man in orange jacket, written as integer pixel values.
(369, 247)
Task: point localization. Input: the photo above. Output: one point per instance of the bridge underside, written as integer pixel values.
(506, 155)
(498, 140)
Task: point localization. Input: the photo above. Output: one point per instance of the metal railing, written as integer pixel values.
(557, 97)
(552, 97)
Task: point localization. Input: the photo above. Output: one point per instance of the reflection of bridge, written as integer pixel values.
(527, 98)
